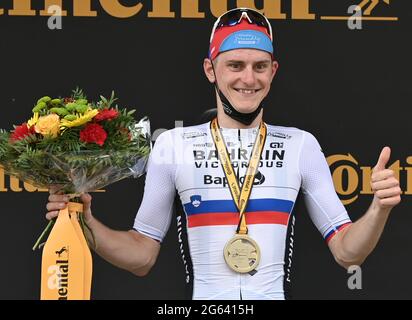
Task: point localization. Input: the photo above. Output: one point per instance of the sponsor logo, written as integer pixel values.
(352, 179)
(61, 251)
(278, 135)
(259, 178)
(368, 5)
(228, 168)
(276, 145)
(290, 250)
(246, 39)
(59, 273)
(238, 154)
(181, 247)
(239, 158)
(227, 109)
(222, 181)
(191, 135)
(203, 145)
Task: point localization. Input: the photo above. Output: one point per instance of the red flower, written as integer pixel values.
(106, 114)
(93, 133)
(21, 132)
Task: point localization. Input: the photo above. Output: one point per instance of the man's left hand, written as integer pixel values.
(384, 183)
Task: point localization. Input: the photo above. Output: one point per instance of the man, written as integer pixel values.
(238, 179)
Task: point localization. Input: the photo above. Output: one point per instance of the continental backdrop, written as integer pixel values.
(345, 76)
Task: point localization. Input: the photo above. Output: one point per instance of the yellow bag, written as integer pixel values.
(66, 262)
(75, 209)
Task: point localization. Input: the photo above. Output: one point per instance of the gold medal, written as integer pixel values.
(242, 253)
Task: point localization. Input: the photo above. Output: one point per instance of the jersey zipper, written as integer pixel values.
(240, 185)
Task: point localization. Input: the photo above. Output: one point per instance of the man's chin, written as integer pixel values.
(245, 109)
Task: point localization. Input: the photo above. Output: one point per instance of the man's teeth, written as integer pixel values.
(246, 91)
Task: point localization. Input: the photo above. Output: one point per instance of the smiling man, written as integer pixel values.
(246, 75)
(238, 179)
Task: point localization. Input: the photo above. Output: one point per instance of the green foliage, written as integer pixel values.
(4, 146)
(81, 108)
(106, 103)
(78, 94)
(60, 111)
(45, 99)
(70, 117)
(40, 106)
(81, 101)
(56, 102)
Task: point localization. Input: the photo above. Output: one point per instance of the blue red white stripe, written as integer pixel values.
(334, 231)
(224, 212)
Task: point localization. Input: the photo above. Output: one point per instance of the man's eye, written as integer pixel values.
(234, 65)
(261, 66)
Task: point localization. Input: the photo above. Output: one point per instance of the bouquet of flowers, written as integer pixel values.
(76, 144)
(80, 146)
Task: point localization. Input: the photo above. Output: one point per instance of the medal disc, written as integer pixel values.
(242, 253)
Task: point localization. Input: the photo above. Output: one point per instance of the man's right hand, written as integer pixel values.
(129, 250)
(59, 201)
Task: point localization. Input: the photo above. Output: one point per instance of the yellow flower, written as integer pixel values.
(48, 125)
(33, 120)
(81, 119)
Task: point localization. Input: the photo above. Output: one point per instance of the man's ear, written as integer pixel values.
(208, 69)
(275, 66)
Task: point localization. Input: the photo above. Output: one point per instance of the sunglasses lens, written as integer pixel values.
(230, 19)
(233, 17)
(257, 18)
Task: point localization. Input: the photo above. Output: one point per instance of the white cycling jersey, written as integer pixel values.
(185, 160)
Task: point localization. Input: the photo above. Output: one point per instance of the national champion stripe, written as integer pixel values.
(213, 206)
(335, 230)
(230, 218)
(224, 212)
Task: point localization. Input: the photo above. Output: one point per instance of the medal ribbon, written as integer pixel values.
(240, 197)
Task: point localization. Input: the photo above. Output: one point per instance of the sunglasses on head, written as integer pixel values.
(235, 16)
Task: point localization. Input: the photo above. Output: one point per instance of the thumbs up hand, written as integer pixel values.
(384, 183)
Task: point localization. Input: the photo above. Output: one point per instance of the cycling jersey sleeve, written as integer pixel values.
(155, 213)
(325, 208)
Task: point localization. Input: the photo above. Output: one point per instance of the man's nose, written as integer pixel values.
(248, 76)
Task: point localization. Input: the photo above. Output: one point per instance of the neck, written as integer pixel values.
(227, 122)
